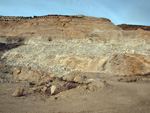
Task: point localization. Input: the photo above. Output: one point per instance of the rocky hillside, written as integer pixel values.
(56, 26)
(78, 48)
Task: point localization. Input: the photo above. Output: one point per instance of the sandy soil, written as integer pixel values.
(117, 97)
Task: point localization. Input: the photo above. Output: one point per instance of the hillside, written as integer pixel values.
(55, 60)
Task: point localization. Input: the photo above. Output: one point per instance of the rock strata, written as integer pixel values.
(134, 27)
(55, 26)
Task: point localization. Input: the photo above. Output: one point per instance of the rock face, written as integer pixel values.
(74, 48)
(55, 26)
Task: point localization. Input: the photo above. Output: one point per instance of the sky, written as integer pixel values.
(118, 11)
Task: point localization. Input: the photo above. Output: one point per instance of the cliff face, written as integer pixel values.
(63, 45)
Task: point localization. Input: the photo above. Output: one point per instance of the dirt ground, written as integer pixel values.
(117, 97)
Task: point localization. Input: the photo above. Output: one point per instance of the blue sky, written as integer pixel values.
(118, 11)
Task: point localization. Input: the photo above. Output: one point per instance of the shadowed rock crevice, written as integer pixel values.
(6, 47)
(10, 43)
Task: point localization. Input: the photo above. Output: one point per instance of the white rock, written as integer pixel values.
(53, 89)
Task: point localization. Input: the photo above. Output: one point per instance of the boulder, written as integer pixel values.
(94, 86)
(53, 89)
(18, 92)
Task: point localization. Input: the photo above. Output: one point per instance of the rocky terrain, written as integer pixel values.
(73, 64)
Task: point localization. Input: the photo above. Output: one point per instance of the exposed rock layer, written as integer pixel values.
(56, 26)
(134, 27)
